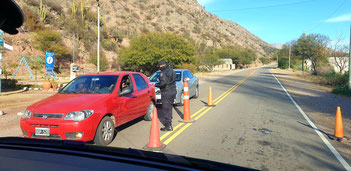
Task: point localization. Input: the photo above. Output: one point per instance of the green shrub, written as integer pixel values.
(342, 90)
(265, 61)
(146, 50)
(109, 45)
(50, 41)
(283, 63)
(188, 66)
(335, 79)
(103, 60)
(8, 83)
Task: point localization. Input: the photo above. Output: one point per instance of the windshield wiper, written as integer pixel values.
(90, 92)
(68, 92)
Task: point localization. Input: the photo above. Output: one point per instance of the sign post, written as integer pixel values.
(49, 64)
(3, 46)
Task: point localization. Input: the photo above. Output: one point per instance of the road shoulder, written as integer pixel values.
(320, 105)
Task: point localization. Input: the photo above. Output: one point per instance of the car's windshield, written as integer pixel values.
(267, 82)
(155, 77)
(91, 84)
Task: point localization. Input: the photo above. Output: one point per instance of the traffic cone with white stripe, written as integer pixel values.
(154, 140)
(186, 113)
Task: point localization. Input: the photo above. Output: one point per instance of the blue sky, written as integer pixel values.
(280, 21)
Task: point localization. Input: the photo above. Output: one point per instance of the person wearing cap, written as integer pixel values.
(167, 85)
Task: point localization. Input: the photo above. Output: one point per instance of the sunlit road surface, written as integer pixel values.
(254, 124)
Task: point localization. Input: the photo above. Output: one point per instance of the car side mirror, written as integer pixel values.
(126, 91)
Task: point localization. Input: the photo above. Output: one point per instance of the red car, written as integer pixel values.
(90, 107)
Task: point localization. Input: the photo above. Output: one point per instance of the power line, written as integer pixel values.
(269, 6)
(337, 9)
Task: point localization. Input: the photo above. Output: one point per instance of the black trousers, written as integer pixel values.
(167, 99)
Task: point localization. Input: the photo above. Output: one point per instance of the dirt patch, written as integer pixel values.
(11, 104)
(320, 105)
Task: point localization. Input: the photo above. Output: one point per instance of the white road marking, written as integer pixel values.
(331, 148)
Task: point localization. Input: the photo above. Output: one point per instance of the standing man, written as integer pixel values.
(167, 86)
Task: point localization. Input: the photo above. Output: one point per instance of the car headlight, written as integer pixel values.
(26, 114)
(78, 115)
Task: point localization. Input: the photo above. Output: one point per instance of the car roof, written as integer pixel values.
(114, 73)
(176, 70)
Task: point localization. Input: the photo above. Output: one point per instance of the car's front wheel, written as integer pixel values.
(105, 131)
(150, 109)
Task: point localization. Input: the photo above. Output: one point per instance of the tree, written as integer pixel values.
(239, 55)
(283, 57)
(36, 63)
(210, 58)
(103, 60)
(339, 51)
(313, 47)
(50, 41)
(146, 50)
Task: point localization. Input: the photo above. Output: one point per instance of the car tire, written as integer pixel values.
(196, 95)
(150, 109)
(181, 99)
(105, 132)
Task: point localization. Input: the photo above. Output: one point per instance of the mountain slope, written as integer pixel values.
(124, 19)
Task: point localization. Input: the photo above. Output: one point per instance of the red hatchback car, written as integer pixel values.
(90, 107)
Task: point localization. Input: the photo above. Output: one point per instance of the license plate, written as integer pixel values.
(42, 132)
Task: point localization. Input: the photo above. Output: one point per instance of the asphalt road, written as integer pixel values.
(254, 124)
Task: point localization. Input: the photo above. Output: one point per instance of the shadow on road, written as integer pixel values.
(181, 115)
(205, 103)
(128, 124)
(329, 135)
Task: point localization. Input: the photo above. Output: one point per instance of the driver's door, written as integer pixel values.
(126, 105)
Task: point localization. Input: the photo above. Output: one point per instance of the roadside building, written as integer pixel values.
(334, 62)
(227, 64)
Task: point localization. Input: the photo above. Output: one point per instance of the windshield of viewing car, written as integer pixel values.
(91, 84)
(155, 77)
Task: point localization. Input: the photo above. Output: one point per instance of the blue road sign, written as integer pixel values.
(1, 39)
(49, 60)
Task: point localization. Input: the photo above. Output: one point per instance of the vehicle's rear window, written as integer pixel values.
(155, 77)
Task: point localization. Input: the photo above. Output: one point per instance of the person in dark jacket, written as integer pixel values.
(168, 89)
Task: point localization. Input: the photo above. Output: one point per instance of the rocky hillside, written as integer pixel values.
(121, 21)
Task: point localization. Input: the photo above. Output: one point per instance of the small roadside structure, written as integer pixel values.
(227, 65)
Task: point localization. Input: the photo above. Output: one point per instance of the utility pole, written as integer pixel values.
(289, 54)
(350, 61)
(74, 46)
(304, 52)
(98, 43)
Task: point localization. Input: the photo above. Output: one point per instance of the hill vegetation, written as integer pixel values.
(66, 26)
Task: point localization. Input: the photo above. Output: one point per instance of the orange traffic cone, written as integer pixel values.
(338, 131)
(154, 141)
(210, 99)
(186, 114)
